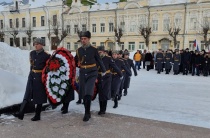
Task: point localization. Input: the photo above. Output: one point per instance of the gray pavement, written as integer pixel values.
(55, 125)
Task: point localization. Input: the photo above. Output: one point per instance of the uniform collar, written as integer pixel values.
(86, 46)
(39, 51)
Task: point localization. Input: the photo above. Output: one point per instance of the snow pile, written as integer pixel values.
(14, 60)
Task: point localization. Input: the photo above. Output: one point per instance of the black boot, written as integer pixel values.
(79, 101)
(104, 106)
(119, 97)
(125, 92)
(101, 108)
(87, 104)
(37, 113)
(65, 108)
(115, 102)
(20, 114)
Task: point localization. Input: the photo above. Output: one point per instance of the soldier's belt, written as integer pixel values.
(123, 70)
(87, 66)
(36, 71)
(108, 71)
(167, 58)
(176, 60)
(114, 73)
(159, 58)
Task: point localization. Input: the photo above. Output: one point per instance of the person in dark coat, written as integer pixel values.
(181, 64)
(176, 62)
(202, 55)
(196, 64)
(116, 79)
(104, 83)
(120, 56)
(86, 58)
(206, 65)
(148, 60)
(143, 58)
(168, 61)
(192, 61)
(127, 77)
(159, 60)
(35, 89)
(186, 61)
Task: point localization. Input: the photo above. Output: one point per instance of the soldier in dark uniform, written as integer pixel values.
(181, 64)
(127, 77)
(86, 57)
(196, 64)
(186, 61)
(35, 89)
(159, 60)
(104, 83)
(176, 62)
(120, 56)
(206, 65)
(116, 79)
(168, 61)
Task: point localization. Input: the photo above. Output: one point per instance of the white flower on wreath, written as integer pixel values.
(63, 85)
(57, 73)
(52, 80)
(58, 81)
(62, 69)
(50, 93)
(61, 92)
(58, 99)
(63, 77)
(55, 88)
(54, 96)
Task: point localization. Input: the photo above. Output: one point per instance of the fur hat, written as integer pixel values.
(120, 52)
(115, 52)
(85, 34)
(126, 53)
(101, 48)
(39, 41)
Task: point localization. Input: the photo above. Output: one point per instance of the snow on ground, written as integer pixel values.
(178, 99)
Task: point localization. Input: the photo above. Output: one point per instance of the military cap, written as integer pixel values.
(187, 48)
(39, 41)
(120, 52)
(101, 48)
(85, 34)
(115, 52)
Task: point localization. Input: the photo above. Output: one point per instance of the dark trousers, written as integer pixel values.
(195, 69)
(185, 68)
(144, 64)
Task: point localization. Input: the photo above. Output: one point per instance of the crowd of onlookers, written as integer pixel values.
(181, 61)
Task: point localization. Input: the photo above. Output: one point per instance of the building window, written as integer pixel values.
(122, 25)
(191, 45)
(101, 43)
(84, 27)
(10, 23)
(75, 29)
(17, 23)
(2, 25)
(44, 40)
(68, 46)
(11, 42)
(154, 45)
(111, 27)
(17, 42)
(132, 27)
(94, 43)
(42, 21)
(24, 41)
(193, 24)
(202, 45)
(122, 45)
(102, 27)
(94, 28)
(75, 46)
(2, 39)
(54, 20)
(23, 22)
(68, 29)
(155, 25)
(178, 23)
(177, 45)
(166, 24)
(131, 46)
(34, 21)
(141, 45)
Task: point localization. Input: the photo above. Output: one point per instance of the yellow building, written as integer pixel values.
(18, 19)
(160, 15)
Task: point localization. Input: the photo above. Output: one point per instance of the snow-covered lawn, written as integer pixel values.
(178, 99)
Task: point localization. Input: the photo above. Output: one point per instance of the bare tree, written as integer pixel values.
(118, 35)
(29, 34)
(205, 29)
(14, 32)
(173, 32)
(145, 32)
